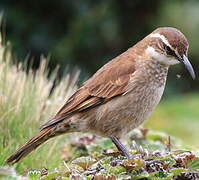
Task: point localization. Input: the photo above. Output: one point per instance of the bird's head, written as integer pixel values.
(169, 46)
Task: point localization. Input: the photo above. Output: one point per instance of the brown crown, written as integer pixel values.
(175, 38)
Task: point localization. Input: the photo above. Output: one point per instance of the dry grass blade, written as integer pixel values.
(26, 102)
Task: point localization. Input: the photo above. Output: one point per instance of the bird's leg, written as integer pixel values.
(121, 147)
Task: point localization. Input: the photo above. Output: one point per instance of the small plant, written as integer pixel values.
(34, 175)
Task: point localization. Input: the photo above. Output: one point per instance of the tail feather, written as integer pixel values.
(31, 145)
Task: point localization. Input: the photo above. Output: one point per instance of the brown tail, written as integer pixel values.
(31, 145)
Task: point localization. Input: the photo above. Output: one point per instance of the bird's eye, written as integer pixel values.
(170, 52)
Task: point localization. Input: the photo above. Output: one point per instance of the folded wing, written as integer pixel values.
(108, 82)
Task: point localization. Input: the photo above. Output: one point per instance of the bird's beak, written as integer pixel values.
(188, 66)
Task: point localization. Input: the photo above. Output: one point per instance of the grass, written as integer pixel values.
(178, 117)
(26, 102)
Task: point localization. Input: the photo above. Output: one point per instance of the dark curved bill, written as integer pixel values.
(188, 66)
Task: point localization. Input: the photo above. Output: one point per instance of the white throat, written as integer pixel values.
(161, 58)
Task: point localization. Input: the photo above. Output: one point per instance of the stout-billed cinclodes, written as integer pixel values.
(120, 95)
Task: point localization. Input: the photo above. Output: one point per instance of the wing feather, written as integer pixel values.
(110, 81)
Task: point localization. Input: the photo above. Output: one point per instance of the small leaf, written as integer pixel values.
(34, 175)
(113, 154)
(51, 176)
(114, 170)
(158, 175)
(177, 171)
(84, 162)
(105, 160)
(133, 164)
(142, 175)
(193, 164)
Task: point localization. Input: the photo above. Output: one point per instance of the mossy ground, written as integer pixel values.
(90, 157)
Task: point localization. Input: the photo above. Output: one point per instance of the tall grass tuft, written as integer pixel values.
(26, 102)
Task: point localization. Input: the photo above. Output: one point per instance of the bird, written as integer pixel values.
(120, 95)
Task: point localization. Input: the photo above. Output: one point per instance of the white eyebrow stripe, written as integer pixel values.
(165, 41)
(162, 38)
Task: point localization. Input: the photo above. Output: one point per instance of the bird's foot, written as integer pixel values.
(122, 148)
(128, 155)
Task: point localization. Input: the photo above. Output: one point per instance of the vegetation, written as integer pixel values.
(89, 157)
(27, 100)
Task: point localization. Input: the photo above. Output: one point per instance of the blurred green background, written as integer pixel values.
(85, 34)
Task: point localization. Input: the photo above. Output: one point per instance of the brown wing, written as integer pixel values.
(109, 81)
